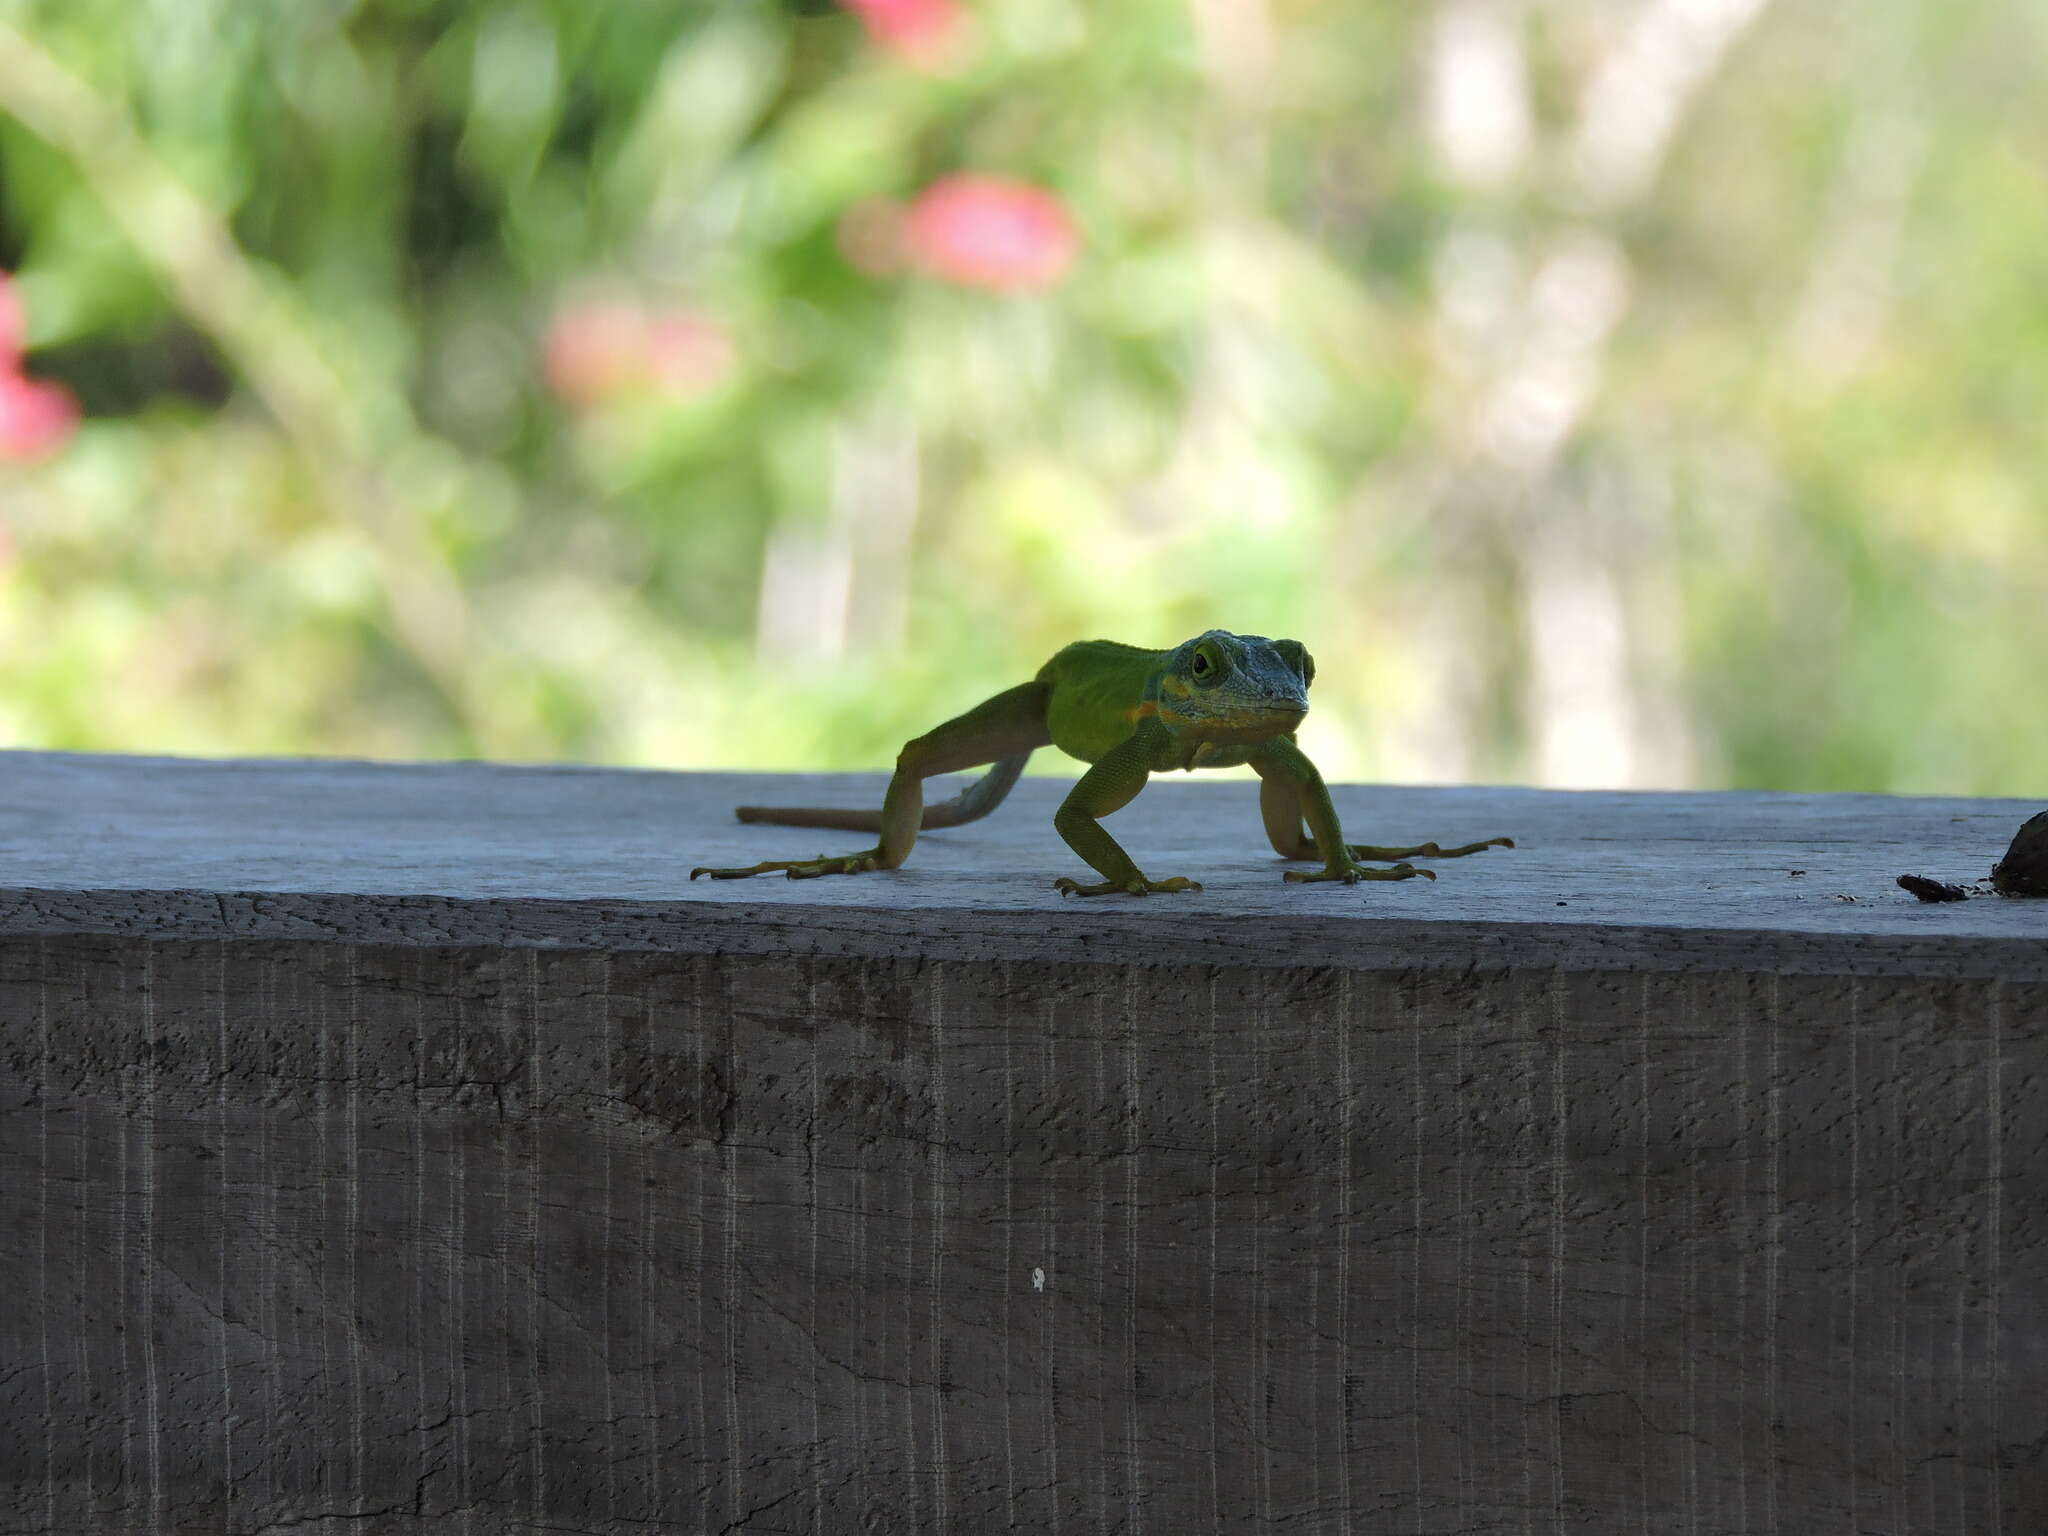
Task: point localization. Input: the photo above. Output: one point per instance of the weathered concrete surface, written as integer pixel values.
(400, 1147)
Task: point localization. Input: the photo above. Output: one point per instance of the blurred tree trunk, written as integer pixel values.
(1524, 634)
(842, 584)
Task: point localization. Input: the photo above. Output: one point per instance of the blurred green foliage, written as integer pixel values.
(1608, 391)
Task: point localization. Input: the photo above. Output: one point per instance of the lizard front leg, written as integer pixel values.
(1282, 802)
(1291, 788)
(1108, 787)
(1012, 722)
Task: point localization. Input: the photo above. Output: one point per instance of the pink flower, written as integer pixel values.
(592, 352)
(985, 232)
(596, 352)
(687, 352)
(36, 418)
(923, 33)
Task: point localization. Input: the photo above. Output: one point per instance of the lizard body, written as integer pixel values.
(1216, 701)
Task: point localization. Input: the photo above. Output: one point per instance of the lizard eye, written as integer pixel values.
(1200, 667)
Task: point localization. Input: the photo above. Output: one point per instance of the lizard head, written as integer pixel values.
(1220, 687)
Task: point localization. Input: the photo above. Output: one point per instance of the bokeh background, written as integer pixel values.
(1610, 392)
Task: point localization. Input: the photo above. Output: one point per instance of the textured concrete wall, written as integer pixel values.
(709, 1221)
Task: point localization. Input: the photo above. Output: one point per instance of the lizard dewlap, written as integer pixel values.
(1217, 701)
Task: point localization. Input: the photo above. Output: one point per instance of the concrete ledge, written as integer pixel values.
(397, 1144)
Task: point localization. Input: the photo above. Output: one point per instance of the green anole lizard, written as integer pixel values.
(1216, 701)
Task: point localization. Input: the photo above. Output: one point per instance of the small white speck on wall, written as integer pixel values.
(1037, 1278)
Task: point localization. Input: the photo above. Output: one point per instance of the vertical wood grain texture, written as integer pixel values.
(511, 1239)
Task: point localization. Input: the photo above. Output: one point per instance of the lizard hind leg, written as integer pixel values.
(1003, 730)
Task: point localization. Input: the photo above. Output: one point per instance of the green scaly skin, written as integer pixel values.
(1216, 701)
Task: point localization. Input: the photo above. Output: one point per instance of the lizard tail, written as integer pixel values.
(971, 804)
